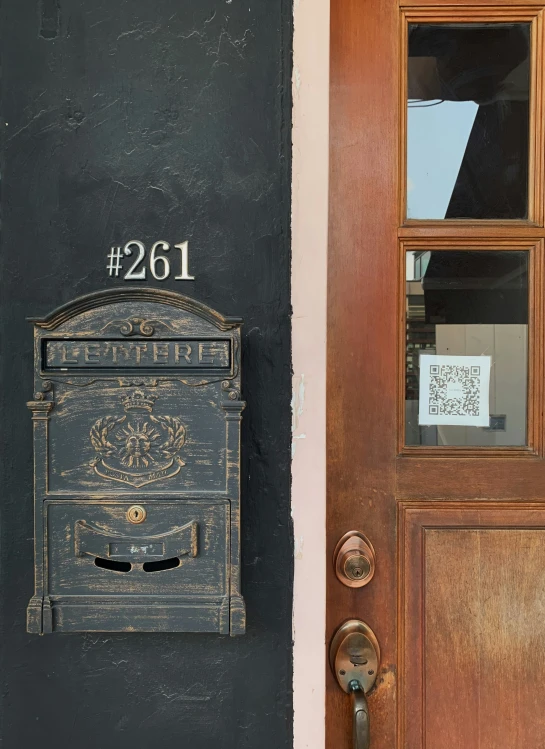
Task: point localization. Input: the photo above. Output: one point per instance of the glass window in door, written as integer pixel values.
(468, 121)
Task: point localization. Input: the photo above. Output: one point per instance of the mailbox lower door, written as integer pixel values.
(105, 573)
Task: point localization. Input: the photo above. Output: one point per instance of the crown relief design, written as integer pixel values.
(138, 448)
(139, 400)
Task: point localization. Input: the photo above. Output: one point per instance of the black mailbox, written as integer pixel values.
(136, 419)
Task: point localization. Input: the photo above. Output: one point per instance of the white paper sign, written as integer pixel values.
(454, 390)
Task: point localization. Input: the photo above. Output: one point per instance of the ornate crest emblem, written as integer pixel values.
(138, 448)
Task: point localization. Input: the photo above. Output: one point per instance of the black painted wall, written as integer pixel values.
(140, 119)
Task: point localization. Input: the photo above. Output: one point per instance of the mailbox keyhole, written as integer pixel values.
(112, 564)
(162, 564)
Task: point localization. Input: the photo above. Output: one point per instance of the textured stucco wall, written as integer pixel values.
(162, 120)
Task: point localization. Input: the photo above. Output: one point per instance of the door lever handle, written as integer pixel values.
(354, 656)
(362, 738)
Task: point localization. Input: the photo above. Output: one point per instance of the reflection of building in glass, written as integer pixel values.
(468, 121)
(420, 334)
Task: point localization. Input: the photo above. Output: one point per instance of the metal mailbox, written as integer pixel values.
(136, 416)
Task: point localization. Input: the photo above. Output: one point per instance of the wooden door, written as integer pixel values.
(437, 245)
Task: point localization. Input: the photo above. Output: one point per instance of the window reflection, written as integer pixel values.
(468, 121)
(469, 303)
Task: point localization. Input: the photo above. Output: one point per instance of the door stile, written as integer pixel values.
(362, 335)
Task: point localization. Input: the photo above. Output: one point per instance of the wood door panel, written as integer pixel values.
(471, 478)
(468, 4)
(473, 626)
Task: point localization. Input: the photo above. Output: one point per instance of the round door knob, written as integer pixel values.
(354, 560)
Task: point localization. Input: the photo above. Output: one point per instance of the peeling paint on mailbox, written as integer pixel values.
(136, 417)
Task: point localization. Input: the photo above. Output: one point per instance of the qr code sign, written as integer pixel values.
(454, 390)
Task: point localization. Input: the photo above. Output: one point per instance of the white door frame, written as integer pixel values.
(309, 287)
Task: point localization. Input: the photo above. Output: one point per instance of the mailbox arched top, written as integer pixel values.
(106, 297)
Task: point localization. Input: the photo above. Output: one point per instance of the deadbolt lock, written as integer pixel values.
(354, 560)
(357, 567)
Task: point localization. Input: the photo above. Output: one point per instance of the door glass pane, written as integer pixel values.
(468, 121)
(467, 315)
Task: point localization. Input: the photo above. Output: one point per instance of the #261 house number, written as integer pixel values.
(159, 264)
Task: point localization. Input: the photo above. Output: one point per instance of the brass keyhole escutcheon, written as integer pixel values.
(136, 514)
(354, 560)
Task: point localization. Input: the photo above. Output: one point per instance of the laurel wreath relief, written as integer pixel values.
(172, 429)
(176, 436)
(100, 431)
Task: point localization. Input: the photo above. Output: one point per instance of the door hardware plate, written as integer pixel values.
(354, 655)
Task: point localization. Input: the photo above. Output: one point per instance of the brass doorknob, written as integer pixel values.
(354, 656)
(354, 560)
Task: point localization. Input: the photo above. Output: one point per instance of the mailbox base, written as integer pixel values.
(71, 614)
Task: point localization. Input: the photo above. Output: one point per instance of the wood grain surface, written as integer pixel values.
(472, 625)
(362, 336)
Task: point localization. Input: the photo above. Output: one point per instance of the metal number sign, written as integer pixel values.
(159, 264)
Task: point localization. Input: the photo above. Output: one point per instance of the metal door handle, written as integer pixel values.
(360, 709)
(354, 655)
